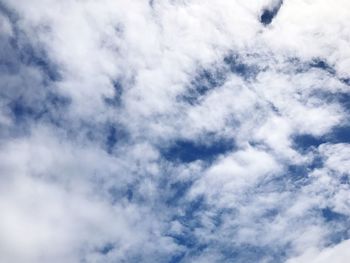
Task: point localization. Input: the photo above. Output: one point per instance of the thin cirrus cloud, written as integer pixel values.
(174, 131)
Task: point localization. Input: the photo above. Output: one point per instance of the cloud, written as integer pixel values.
(174, 131)
(338, 253)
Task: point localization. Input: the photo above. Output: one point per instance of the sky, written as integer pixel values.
(192, 131)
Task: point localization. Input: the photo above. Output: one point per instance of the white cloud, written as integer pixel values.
(338, 253)
(67, 194)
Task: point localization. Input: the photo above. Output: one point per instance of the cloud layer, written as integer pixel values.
(174, 131)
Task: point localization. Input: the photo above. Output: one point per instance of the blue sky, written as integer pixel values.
(174, 131)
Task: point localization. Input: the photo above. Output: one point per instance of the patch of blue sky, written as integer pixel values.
(320, 64)
(305, 141)
(290, 180)
(26, 103)
(6, 11)
(205, 81)
(338, 224)
(268, 14)
(186, 151)
(299, 65)
(176, 192)
(116, 99)
(188, 240)
(107, 134)
(37, 58)
(344, 100)
(22, 51)
(117, 193)
(106, 248)
(229, 250)
(9, 63)
(344, 179)
(340, 98)
(211, 78)
(191, 212)
(114, 134)
(330, 215)
(247, 253)
(295, 176)
(173, 193)
(240, 68)
(177, 257)
(345, 81)
(298, 174)
(191, 245)
(49, 109)
(339, 134)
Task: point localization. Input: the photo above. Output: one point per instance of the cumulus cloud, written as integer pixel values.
(174, 131)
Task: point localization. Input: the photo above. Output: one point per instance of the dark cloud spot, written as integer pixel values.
(151, 3)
